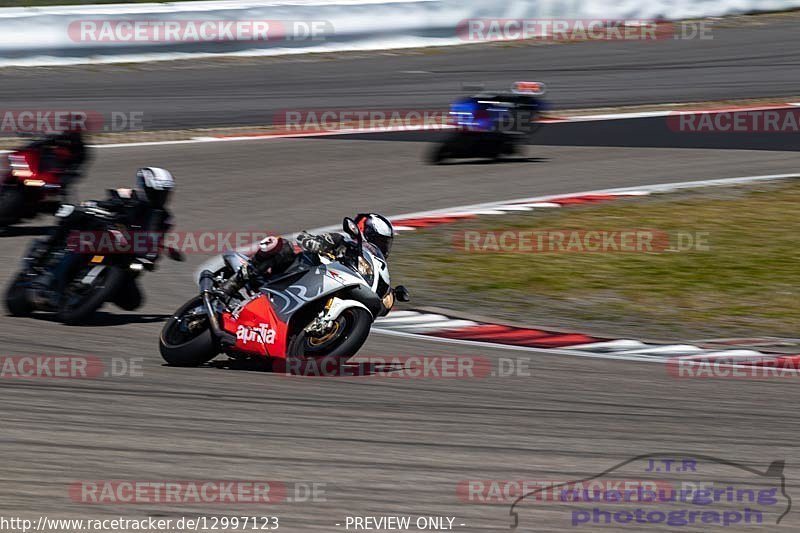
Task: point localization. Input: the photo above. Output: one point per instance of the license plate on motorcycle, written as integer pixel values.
(97, 259)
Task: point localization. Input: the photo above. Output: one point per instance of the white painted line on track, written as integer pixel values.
(669, 349)
(610, 346)
(264, 137)
(434, 326)
(416, 319)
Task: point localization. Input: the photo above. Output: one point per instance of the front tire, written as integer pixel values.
(184, 340)
(303, 354)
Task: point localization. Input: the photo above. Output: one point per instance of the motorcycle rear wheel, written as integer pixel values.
(440, 153)
(101, 290)
(187, 343)
(17, 301)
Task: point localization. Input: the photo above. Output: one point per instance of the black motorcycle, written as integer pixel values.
(72, 278)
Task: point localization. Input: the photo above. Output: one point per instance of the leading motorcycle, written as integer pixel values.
(492, 124)
(319, 310)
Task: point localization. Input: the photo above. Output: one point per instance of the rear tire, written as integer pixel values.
(181, 348)
(440, 153)
(12, 203)
(104, 291)
(17, 302)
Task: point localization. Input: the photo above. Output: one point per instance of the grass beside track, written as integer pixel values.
(743, 283)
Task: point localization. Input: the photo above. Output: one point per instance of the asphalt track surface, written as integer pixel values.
(757, 60)
(381, 446)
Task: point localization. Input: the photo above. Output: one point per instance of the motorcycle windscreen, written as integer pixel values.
(258, 329)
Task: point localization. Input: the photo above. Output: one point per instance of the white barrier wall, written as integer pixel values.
(64, 34)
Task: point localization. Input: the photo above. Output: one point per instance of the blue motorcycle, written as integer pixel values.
(492, 124)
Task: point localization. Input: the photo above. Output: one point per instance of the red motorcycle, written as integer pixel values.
(319, 310)
(36, 177)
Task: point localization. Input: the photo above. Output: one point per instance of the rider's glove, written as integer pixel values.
(310, 243)
(320, 244)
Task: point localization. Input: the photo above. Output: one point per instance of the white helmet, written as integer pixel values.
(377, 230)
(156, 183)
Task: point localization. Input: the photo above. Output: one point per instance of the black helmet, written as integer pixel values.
(156, 183)
(377, 230)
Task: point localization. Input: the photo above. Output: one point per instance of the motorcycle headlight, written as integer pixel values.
(365, 269)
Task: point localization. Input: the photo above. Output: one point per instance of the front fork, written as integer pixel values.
(333, 309)
(206, 287)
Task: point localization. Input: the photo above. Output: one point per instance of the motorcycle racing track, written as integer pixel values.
(382, 446)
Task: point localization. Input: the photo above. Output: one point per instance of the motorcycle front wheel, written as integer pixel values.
(344, 340)
(186, 338)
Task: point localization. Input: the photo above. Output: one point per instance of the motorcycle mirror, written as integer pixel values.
(401, 294)
(350, 227)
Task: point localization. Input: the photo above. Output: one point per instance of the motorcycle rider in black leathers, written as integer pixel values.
(141, 210)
